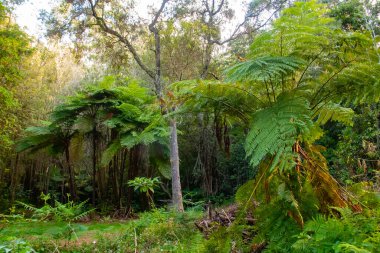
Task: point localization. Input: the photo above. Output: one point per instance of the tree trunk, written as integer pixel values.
(124, 154)
(14, 179)
(134, 156)
(94, 166)
(174, 160)
(72, 186)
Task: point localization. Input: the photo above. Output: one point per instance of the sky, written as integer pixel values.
(27, 13)
(27, 16)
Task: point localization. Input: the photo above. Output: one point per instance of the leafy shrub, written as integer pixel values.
(145, 185)
(12, 244)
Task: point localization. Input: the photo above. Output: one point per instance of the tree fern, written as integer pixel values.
(360, 83)
(274, 131)
(264, 68)
(49, 136)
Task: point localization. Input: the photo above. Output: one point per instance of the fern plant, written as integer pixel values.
(62, 212)
(264, 68)
(274, 131)
(349, 233)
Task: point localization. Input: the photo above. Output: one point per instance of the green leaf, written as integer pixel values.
(275, 129)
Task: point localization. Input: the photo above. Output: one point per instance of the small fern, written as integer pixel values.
(66, 212)
(349, 233)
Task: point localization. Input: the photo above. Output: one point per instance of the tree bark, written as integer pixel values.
(94, 166)
(14, 180)
(72, 186)
(174, 161)
(124, 154)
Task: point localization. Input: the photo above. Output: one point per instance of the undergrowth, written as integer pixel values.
(155, 231)
(275, 230)
(341, 230)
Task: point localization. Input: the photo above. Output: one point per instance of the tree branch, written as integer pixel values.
(307, 67)
(158, 14)
(236, 34)
(103, 25)
(157, 51)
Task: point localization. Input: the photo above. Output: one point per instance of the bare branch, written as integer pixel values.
(219, 8)
(158, 14)
(102, 23)
(236, 34)
(249, 16)
(157, 51)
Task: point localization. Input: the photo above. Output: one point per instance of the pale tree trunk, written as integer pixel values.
(174, 161)
(156, 76)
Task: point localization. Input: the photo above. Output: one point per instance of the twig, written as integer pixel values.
(135, 241)
(56, 248)
(228, 218)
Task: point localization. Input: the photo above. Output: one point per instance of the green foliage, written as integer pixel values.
(128, 109)
(353, 150)
(145, 185)
(264, 68)
(156, 231)
(350, 233)
(168, 231)
(368, 195)
(13, 244)
(329, 63)
(334, 112)
(350, 14)
(274, 131)
(8, 121)
(53, 137)
(14, 49)
(60, 212)
(341, 230)
(15, 45)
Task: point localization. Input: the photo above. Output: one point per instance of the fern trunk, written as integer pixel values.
(124, 154)
(94, 166)
(71, 174)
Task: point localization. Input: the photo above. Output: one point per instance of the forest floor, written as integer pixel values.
(63, 233)
(154, 231)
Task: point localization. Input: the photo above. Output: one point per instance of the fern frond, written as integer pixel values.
(27, 206)
(264, 68)
(83, 214)
(334, 112)
(275, 130)
(360, 83)
(110, 152)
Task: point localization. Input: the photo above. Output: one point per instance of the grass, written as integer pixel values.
(156, 231)
(34, 229)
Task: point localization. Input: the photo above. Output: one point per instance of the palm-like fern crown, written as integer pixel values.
(304, 54)
(129, 109)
